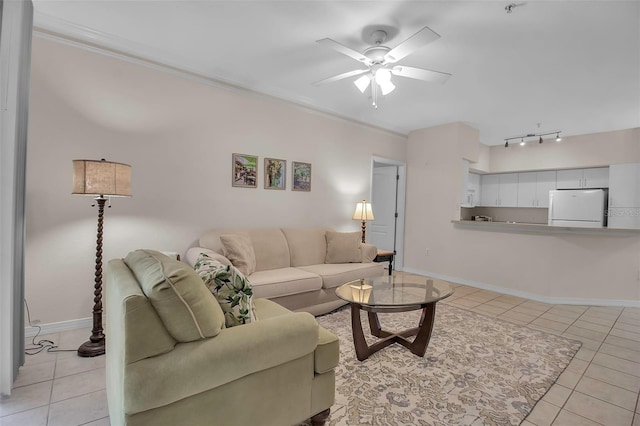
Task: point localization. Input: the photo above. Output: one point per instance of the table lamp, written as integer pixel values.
(363, 213)
(102, 179)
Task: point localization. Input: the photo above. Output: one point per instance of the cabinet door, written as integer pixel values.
(569, 179)
(508, 190)
(489, 193)
(527, 189)
(474, 188)
(596, 178)
(545, 182)
(623, 217)
(624, 185)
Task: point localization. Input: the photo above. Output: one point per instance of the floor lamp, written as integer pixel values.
(101, 179)
(363, 213)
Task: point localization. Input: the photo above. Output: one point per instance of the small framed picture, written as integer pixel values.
(301, 176)
(244, 171)
(275, 173)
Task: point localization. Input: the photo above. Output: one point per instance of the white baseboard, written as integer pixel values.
(56, 327)
(526, 295)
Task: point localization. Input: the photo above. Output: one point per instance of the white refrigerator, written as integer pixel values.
(577, 207)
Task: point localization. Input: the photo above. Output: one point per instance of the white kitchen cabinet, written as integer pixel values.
(595, 177)
(470, 195)
(534, 187)
(624, 196)
(499, 190)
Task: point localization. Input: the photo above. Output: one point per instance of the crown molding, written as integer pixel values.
(82, 37)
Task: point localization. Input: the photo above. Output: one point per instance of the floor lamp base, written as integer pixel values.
(90, 348)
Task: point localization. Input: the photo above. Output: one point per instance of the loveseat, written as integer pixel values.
(171, 360)
(299, 268)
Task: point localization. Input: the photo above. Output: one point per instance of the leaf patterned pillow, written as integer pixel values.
(230, 287)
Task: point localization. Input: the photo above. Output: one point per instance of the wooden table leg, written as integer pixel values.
(420, 343)
(362, 350)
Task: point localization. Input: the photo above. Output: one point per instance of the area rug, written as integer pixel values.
(477, 371)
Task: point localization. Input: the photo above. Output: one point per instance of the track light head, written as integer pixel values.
(521, 141)
(506, 143)
(558, 138)
(540, 141)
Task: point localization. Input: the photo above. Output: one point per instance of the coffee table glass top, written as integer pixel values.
(397, 290)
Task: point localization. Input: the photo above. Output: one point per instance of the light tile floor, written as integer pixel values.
(600, 386)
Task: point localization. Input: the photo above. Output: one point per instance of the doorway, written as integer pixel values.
(388, 184)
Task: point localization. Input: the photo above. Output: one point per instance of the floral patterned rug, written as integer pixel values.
(477, 371)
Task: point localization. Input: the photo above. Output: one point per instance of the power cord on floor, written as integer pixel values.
(43, 344)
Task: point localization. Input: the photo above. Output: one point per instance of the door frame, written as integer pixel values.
(398, 260)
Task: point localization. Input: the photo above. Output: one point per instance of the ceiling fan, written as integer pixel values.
(380, 62)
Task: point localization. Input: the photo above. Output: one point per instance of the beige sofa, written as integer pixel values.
(290, 265)
(171, 361)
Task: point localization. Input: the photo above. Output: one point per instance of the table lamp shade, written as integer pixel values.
(363, 211)
(104, 178)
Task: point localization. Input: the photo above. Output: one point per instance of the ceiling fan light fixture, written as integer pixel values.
(387, 87)
(363, 82)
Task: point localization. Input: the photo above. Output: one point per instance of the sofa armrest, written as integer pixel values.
(236, 352)
(369, 252)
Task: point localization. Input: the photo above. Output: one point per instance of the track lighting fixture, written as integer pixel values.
(532, 135)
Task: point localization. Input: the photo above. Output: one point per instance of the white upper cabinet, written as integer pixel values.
(534, 187)
(470, 195)
(499, 190)
(597, 177)
(624, 196)
(624, 185)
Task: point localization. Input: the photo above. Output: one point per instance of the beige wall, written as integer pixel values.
(553, 267)
(178, 135)
(598, 149)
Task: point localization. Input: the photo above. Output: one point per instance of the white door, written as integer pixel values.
(624, 185)
(596, 177)
(545, 182)
(569, 179)
(489, 190)
(527, 189)
(381, 231)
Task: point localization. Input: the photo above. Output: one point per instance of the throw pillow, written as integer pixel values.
(186, 308)
(230, 287)
(239, 250)
(343, 247)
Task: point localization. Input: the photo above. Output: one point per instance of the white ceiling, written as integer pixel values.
(572, 66)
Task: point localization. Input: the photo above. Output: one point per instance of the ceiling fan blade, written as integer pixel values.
(344, 50)
(419, 39)
(420, 74)
(340, 77)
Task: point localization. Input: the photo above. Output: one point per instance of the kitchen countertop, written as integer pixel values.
(542, 228)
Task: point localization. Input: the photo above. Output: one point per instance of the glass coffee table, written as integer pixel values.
(393, 294)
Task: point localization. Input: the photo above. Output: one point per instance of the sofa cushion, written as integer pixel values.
(308, 246)
(284, 282)
(271, 248)
(343, 247)
(239, 250)
(337, 274)
(231, 289)
(187, 309)
(191, 256)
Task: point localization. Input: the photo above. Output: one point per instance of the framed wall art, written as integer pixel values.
(244, 171)
(301, 176)
(275, 173)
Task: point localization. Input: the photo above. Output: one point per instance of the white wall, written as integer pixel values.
(553, 267)
(178, 135)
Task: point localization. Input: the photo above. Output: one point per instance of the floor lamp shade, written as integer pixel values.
(101, 179)
(92, 177)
